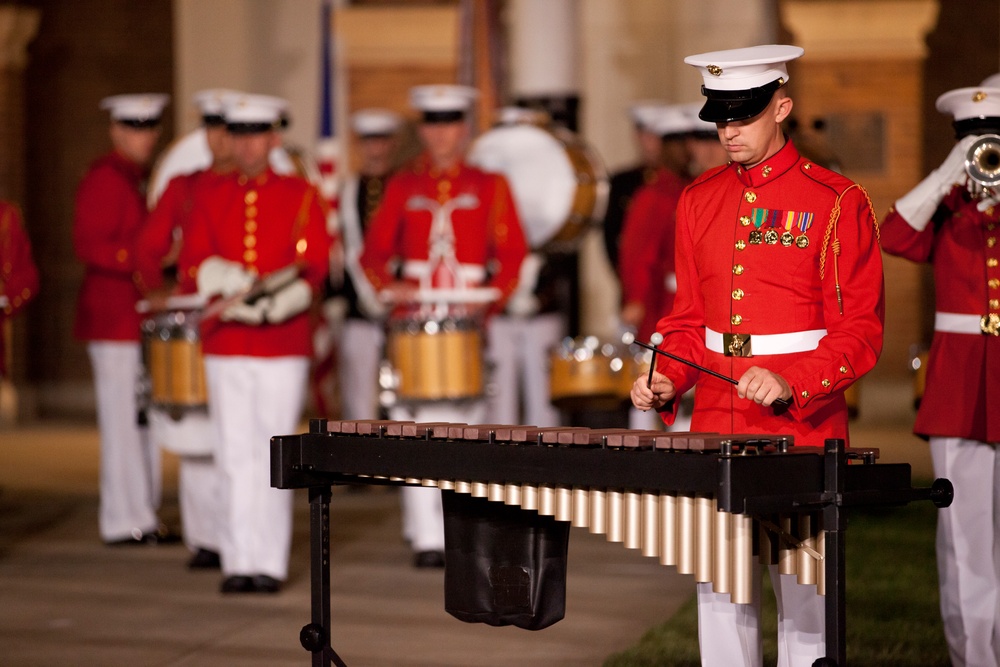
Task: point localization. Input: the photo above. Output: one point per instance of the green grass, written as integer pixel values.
(893, 618)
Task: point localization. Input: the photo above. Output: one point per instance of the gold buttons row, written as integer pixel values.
(250, 198)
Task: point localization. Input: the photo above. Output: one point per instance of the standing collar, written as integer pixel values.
(769, 169)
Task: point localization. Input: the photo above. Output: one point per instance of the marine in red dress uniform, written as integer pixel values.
(778, 249)
(480, 244)
(18, 273)
(109, 213)
(943, 223)
(160, 242)
(248, 225)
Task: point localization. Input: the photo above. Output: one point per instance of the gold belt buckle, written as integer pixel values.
(738, 345)
(990, 324)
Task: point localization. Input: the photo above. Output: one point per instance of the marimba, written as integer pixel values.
(705, 503)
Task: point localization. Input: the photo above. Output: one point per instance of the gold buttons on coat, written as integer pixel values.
(991, 241)
(736, 320)
(750, 197)
(741, 244)
(745, 220)
(994, 283)
(250, 197)
(991, 262)
(737, 294)
(738, 270)
(825, 382)
(805, 394)
(994, 304)
(843, 369)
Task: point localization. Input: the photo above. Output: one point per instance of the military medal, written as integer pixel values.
(787, 239)
(756, 237)
(771, 237)
(802, 241)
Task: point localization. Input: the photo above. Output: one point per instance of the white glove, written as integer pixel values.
(247, 313)
(288, 301)
(918, 205)
(523, 302)
(221, 276)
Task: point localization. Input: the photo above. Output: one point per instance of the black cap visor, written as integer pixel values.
(985, 125)
(433, 117)
(724, 106)
(251, 128)
(139, 123)
(213, 120)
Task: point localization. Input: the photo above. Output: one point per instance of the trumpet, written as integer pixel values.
(982, 161)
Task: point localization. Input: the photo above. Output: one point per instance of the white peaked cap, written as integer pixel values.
(697, 124)
(137, 108)
(964, 103)
(743, 69)
(670, 119)
(644, 113)
(442, 97)
(254, 109)
(375, 122)
(212, 102)
(512, 115)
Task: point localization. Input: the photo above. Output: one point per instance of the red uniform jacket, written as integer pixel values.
(171, 215)
(110, 211)
(488, 238)
(646, 255)
(18, 274)
(728, 282)
(961, 398)
(265, 223)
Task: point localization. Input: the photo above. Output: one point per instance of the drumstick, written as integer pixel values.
(655, 339)
(629, 339)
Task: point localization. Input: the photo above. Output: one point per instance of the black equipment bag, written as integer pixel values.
(503, 565)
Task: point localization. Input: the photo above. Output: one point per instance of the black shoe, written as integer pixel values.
(428, 559)
(161, 535)
(237, 584)
(205, 559)
(262, 583)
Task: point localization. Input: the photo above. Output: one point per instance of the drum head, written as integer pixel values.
(542, 178)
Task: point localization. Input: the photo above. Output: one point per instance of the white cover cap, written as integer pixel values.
(140, 108)
(375, 122)
(442, 98)
(963, 103)
(513, 115)
(992, 81)
(670, 120)
(643, 113)
(212, 101)
(254, 111)
(739, 83)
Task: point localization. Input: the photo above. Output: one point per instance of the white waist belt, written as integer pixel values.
(784, 343)
(416, 269)
(958, 323)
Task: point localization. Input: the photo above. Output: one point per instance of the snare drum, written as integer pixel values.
(436, 359)
(173, 357)
(588, 374)
(557, 182)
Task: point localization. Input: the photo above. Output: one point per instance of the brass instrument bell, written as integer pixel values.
(982, 161)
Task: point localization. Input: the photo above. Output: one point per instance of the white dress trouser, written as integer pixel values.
(967, 557)
(198, 497)
(518, 349)
(130, 464)
(360, 352)
(423, 519)
(729, 634)
(250, 400)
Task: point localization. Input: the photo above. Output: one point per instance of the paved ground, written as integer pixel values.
(68, 599)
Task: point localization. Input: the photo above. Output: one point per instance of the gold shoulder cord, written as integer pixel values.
(830, 230)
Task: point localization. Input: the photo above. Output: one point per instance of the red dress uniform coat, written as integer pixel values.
(172, 212)
(110, 211)
(732, 284)
(646, 256)
(961, 398)
(18, 273)
(488, 233)
(265, 223)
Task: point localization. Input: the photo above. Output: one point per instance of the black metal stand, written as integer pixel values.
(835, 525)
(315, 636)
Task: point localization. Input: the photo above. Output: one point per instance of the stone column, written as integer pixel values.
(862, 76)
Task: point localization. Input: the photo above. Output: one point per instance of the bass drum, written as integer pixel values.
(190, 153)
(559, 185)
